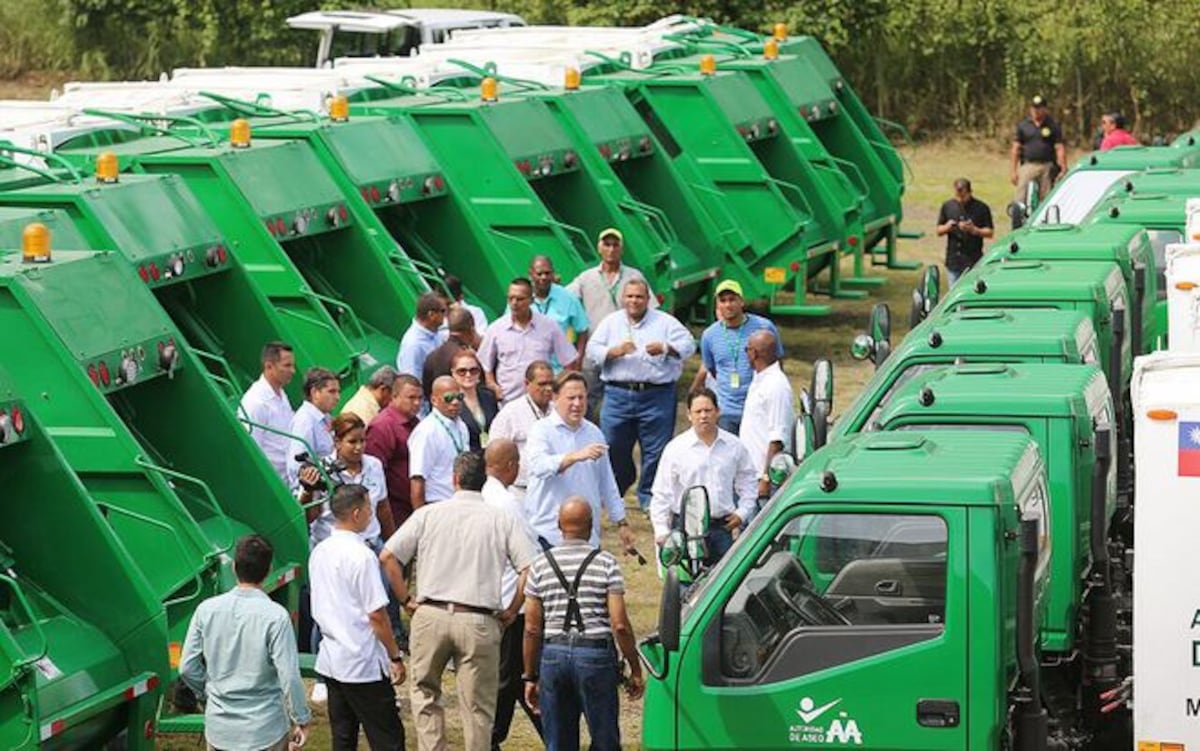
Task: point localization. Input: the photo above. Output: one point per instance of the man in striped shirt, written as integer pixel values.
(574, 612)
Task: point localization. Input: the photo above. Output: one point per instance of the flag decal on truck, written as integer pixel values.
(1189, 449)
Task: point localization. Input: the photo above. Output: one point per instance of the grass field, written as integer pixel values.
(934, 168)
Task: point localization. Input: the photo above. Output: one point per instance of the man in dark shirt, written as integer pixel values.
(966, 222)
(1038, 154)
(387, 441)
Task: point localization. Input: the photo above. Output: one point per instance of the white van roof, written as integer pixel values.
(381, 21)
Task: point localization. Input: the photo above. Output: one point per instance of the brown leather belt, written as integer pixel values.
(457, 607)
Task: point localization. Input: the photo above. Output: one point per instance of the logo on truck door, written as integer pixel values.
(842, 729)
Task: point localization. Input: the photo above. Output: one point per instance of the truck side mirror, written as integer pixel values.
(881, 333)
(802, 440)
(822, 401)
(669, 612)
(926, 296)
(1017, 212)
(694, 514)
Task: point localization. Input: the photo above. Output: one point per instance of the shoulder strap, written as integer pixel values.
(574, 616)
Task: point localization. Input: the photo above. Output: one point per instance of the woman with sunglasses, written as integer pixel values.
(480, 406)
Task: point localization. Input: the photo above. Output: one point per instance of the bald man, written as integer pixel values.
(770, 414)
(502, 460)
(435, 443)
(569, 643)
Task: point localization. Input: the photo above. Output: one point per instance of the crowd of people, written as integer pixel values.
(455, 503)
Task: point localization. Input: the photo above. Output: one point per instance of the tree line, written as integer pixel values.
(935, 66)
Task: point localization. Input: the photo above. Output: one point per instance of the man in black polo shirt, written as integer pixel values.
(1036, 150)
(965, 221)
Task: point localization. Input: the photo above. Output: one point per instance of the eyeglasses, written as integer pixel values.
(450, 397)
(467, 371)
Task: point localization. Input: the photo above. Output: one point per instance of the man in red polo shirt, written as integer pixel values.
(387, 440)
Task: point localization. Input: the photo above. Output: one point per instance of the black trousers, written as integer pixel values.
(512, 688)
(371, 705)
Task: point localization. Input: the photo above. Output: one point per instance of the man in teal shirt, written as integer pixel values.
(240, 653)
(556, 303)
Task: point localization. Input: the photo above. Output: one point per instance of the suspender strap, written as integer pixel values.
(574, 615)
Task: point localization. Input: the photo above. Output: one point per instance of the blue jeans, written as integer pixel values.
(730, 423)
(646, 418)
(577, 680)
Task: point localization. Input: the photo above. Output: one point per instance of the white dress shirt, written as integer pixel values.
(372, 478)
(724, 469)
(549, 441)
(498, 496)
(432, 448)
(344, 576)
(770, 414)
(640, 366)
(266, 406)
(514, 421)
(314, 427)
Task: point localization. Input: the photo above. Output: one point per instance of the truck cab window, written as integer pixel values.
(861, 583)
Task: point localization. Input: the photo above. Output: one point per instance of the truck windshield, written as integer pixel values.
(836, 570)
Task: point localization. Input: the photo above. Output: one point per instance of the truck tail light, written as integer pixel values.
(280, 227)
(18, 420)
(154, 272)
(374, 194)
(105, 377)
(94, 374)
(1162, 414)
(144, 273)
(271, 227)
(795, 266)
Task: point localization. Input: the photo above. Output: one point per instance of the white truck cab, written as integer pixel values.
(1166, 599)
(1183, 285)
(378, 33)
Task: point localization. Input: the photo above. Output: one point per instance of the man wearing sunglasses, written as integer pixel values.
(435, 443)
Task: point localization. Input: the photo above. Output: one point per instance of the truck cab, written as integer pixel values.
(858, 578)
(391, 33)
(972, 336)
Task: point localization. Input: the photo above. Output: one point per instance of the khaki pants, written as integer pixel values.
(473, 641)
(1030, 172)
(282, 745)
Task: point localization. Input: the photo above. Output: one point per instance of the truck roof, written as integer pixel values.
(1070, 238)
(998, 389)
(1142, 209)
(1140, 157)
(1033, 332)
(973, 468)
(1165, 380)
(1033, 281)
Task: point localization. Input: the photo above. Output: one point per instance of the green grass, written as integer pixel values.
(935, 167)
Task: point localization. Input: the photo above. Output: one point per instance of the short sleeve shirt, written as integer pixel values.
(508, 349)
(432, 449)
(963, 250)
(723, 351)
(346, 587)
(601, 578)
(1038, 141)
(770, 414)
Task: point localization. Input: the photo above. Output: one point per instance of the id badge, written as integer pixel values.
(735, 380)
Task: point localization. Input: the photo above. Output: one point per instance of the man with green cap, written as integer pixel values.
(723, 352)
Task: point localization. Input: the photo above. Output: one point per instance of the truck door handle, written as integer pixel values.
(887, 587)
(937, 713)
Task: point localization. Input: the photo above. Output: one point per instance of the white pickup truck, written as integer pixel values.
(391, 33)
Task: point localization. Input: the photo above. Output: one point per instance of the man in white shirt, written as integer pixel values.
(502, 462)
(435, 443)
(712, 458)
(642, 351)
(311, 426)
(515, 419)
(770, 414)
(358, 656)
(568, 457)
(266, 403)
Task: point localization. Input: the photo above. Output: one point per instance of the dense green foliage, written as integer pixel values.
(934, 65)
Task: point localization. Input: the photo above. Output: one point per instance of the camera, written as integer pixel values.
(332, 467)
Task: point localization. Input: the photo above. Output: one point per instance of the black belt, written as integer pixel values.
(637, 385)
(578, 640)
(458, 607)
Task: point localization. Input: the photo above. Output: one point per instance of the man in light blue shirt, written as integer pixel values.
(423, 336)
(240, 653)
(556, 303)
(723, 352)
(566, 455)
(642, 353)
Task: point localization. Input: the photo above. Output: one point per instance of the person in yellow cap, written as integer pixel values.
(599, 289)
(1038, 154)
(723, 352)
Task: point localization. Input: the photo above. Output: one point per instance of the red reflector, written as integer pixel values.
(342, 208)
(143, 273)
(18, 420)
(795, 265)
(374, 195)
(605, 150)
(104, 376)
(149, 731)
(280, 227)
(94, 374)
(222, 256)
(365, 193)
(52, 729)
(661, 298)
(270, 226)
(154, 273)
(438, 182)
(852, 241)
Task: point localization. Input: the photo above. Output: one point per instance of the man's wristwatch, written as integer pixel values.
(527, 678)
(397, 658)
